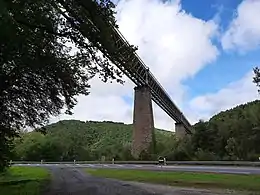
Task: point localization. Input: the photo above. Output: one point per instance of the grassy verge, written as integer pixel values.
(204, 180)
(23, 181)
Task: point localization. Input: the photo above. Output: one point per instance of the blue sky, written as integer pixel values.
(201, 51)
(229, 66)
(209, 8)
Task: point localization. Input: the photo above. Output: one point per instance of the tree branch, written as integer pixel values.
(50, 31)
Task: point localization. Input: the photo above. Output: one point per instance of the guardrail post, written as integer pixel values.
(113, 161)
(74, 162)
(164, 160)
(41, 161)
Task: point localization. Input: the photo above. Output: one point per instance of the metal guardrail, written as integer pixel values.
(208, 163)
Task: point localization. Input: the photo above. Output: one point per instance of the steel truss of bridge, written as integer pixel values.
(140, 74)
(121, 53)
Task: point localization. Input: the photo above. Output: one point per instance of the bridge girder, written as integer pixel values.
(120, 53)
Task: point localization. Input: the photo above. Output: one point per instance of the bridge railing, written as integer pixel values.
(208, 163)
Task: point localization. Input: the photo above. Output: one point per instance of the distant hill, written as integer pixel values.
(233, 134)
(248, 110)
(90, 139)
(98, 134)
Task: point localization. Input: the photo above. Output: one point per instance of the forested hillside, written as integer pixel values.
(230, 135)
(72, 139)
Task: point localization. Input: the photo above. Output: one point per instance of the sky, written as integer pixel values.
(202, 52)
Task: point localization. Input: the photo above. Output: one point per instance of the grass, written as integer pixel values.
(23, 181)
(204, 180)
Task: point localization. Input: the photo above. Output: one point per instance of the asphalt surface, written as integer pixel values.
(73, 181)
(186, 168)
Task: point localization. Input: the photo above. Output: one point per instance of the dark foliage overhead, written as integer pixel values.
(39, 71)
(49, 50)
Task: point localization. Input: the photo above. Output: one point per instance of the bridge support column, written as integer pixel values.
(143, 132)
(180, 131)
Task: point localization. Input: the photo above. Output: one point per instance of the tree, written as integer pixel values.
(231, 149)
(6, 146)
(204, 136)
(40, 73)
(256, 78)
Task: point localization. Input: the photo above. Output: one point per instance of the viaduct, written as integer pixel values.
(116, 48)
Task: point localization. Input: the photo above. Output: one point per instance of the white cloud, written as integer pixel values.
(175, 46)
(233, 94)
(244, 31)
(172, 43)
(99, 108)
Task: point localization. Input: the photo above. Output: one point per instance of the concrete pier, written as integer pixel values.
(180, 130)
(143, 133)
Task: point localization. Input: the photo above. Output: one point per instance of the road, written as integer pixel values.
(186, 168)
(73, 181)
